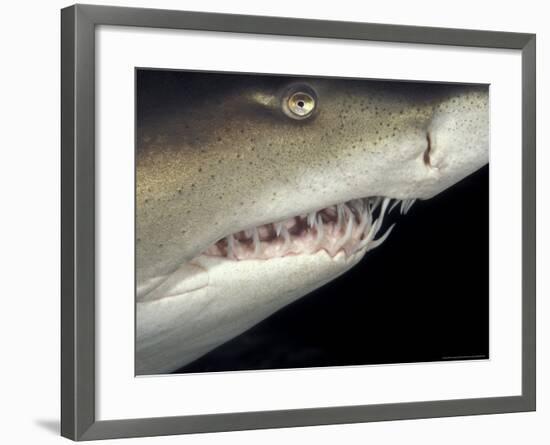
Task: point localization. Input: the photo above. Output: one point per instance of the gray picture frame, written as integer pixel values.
(78, 419)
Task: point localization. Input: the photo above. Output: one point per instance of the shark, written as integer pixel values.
(254, 190)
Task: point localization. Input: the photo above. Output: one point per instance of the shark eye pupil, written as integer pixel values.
(301, 104)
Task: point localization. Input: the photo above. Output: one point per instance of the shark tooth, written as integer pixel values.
(369, 237)
(347, 235)
(256, 241)
(339, 217)
(409, 205)
(320, 233)
(380, 240)
(230, 247)
(311, 218)
(286, 237)
(394, 205)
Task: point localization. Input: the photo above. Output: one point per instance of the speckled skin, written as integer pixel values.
(223, 156)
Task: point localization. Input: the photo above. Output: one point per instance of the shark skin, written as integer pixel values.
(245, 202)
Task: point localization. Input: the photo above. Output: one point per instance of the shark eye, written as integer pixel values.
(299, 102)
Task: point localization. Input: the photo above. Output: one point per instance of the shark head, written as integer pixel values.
(252, 191)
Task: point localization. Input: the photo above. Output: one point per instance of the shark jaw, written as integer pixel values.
(347, 228)
(343, 233)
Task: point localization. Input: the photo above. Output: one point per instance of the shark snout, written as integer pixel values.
(457, 144)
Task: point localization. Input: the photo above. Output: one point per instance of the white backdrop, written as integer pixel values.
(29, 239)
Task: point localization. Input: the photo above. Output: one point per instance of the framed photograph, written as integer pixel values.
(272, 222)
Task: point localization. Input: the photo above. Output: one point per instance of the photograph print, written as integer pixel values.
(288, 222)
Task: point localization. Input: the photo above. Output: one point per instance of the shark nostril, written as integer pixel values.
(428, 150)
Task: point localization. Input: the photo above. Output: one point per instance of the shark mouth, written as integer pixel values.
(348, 227)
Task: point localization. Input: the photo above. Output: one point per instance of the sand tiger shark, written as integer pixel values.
(252, 191)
